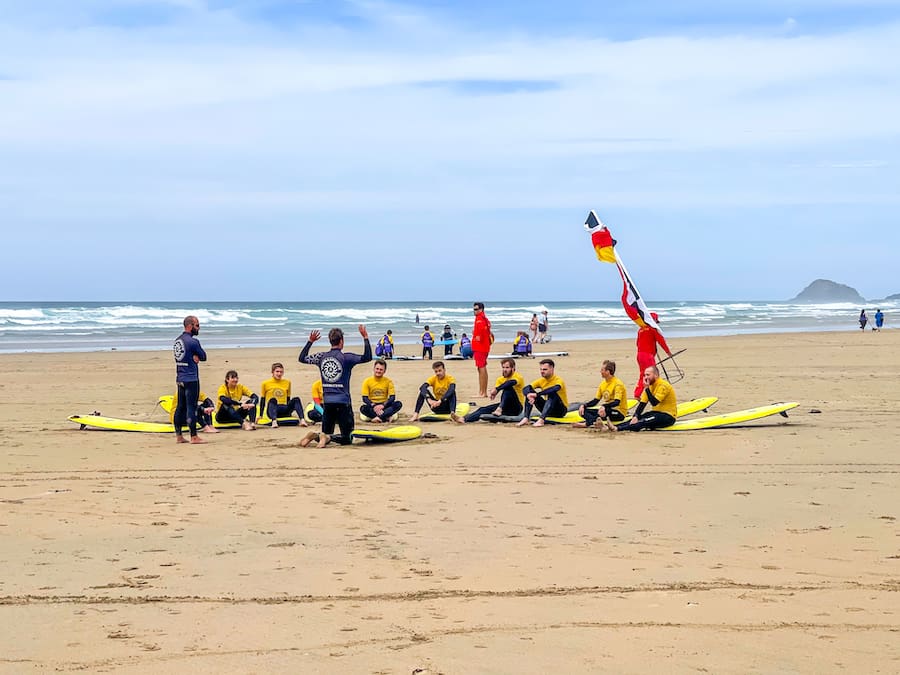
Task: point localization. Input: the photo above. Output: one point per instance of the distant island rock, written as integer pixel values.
(823, 290)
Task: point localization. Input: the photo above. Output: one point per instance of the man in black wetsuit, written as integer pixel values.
(334, 367)
(188, 353)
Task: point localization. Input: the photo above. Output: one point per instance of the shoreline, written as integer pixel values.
(354, 341)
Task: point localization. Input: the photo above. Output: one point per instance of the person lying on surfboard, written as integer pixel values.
(509, 387)
(439, 392)
(547, 394)
(612, 398)
(659, 394)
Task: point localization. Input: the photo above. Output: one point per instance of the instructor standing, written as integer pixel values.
(188, 353)
(481, 346)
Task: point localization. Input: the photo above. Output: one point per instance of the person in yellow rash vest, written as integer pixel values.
(659, 394)
(276, 400)
(611, 396)
(236, 403)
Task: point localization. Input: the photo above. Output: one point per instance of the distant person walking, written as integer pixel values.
(543, 327)
(879, 320)
(188, 353)
(481, 346)
(533, 327)
(863, 319)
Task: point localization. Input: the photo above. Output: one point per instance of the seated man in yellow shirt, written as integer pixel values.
(379, 397)
(547, 394)
(439, 392)
(611, 396)
(661, 396)
(509, 388)
(276, 400)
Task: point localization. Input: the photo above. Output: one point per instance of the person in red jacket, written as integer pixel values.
(481, 346)
(647, 340)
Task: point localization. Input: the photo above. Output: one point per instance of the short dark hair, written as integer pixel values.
(189, 320)
(508, 362)
(479, 305)
(230, 373)
(436, 364)
(610, 366)
(549, 362)
(335, 335)
(277, 365)
(381, 362)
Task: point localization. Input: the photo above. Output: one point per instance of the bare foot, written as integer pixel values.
(414, 418)
(323, 440)
(303, 422)
(197, 439)
(309, 438)
(579, 425)
(209, 430)
(456, 418)
(539, 422)
(497, 412)
(377, 420)
(274, 424)
(180, 439)
(522, 422)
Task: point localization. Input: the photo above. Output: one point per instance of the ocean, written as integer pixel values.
(100, 326)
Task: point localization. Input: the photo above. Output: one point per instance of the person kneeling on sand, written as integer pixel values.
(509, 387)
(379, 396)
(612, 398)
(335, 367)
(236, 403)
(659, 394)
(439, 392)
(547, 394)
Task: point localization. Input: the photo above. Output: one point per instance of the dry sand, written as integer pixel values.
(489, 549)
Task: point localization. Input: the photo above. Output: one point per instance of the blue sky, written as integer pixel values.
(275, 150)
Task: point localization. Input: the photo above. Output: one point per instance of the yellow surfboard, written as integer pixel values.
(115, 424)
(462, 410)
(388, 435)
(695, 405)
(732, 419)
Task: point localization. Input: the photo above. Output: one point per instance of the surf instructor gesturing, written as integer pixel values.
(335, 366)
(188, 353)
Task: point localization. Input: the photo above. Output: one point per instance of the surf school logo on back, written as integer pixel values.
(332, 370)
(178, 348)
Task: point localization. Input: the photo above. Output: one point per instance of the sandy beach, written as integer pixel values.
(769, 548)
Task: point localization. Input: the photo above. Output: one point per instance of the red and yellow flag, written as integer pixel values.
(604, 244)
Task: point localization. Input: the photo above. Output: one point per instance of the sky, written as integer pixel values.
(360, 150)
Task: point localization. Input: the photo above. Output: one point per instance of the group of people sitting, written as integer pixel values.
(513, 400)
(547, 395)
(237, 404)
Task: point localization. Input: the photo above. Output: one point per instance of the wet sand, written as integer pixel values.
(769, 548)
